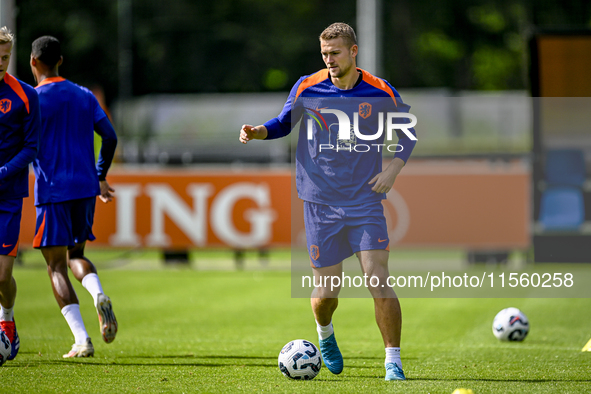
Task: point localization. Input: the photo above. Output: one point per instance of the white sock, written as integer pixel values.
(92, 283)
(393, 356)
(324, 331)
(74, 318)
(7, 314)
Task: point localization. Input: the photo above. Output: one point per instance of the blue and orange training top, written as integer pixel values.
(330, 169)
(20, 124)
(65, 168)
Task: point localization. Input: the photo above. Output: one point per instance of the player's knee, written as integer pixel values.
(76, 253)
(56, 263)
(379, 288)
(326, 292)
(324, 306)
(385, 292)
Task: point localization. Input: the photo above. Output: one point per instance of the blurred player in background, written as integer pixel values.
(66, 186)
(20, 124)
(342, 191)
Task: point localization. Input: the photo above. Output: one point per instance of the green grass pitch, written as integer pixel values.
(187, 330)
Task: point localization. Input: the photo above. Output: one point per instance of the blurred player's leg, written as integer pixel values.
(7, 298)
(85, 272)
(387, 309)
(65, 295)
(10, 219)
(324, 302)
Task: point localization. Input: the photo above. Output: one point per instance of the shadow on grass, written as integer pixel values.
(267, 362)
(207, 356)
(135, 364)
(485, 380)
(191, 355)
(239, 361)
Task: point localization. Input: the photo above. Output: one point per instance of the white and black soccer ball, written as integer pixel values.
(510, 324)
(5, 347)
(300, 359)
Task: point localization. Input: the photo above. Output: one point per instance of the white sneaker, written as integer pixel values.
(85, 350)
(107, 320)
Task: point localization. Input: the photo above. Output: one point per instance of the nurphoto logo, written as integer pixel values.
(348, 133)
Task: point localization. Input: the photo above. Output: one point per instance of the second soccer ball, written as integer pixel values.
(510, 324)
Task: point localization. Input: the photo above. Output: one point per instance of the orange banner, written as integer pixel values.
(476, 205)
(182, 209)
(471, 204)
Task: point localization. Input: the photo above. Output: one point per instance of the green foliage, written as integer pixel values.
(88, 32)
(275, 79)
(487, 17)
(458, 44)
(495, 68)
(256, 45)
(438, 45)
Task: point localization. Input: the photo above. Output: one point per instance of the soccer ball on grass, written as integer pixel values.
(510, 324)
(5, 347)
(300, 359)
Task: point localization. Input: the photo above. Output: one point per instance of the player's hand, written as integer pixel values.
(248, 132)
(383, 182)
(106, 192)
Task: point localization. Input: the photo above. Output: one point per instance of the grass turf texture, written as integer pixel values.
(183, 330)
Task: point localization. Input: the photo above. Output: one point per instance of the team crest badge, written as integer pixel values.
(314, 252)
(365, 110)
(5, 105)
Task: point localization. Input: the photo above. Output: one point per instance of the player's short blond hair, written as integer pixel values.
(6, 35)
(342, 30)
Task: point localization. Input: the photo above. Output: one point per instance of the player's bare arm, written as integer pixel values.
(384, 181)
(248, 132)
(106, 192)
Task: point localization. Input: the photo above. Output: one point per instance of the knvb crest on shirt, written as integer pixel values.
(314, 252)
(5, 105)
(365, 110)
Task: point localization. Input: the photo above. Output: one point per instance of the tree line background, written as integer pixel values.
(187, 46)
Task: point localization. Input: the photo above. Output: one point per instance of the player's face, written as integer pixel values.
(338, 57)
(5, 50)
